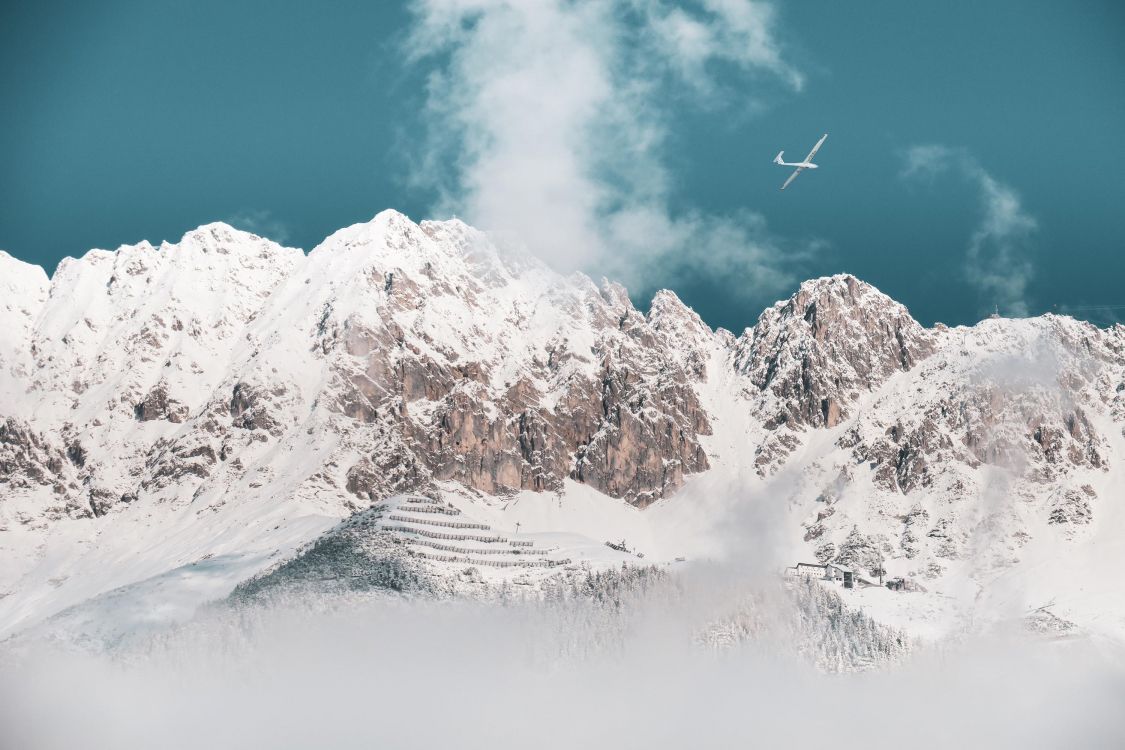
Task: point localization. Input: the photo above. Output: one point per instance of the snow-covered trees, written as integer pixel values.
(838, 638)
(860, 552)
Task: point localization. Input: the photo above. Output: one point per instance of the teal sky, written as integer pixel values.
(122, 121)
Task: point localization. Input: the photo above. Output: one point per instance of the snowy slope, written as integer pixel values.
(174, 420)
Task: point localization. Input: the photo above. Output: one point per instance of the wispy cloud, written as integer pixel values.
(996, 261)
(547, 121)
(262, 223)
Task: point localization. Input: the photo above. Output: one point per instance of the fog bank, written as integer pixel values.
(388, 672)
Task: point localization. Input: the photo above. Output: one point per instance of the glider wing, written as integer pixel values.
(816, 147)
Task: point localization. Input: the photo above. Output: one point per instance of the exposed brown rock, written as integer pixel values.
(833, 339)
(157, 404)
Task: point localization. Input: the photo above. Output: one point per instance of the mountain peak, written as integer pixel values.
(840, 290)
(220, 227)
(615, 294)
(836, 281)
(668, 311)
(223, 237)
(391, 216)
(667, 299)
(835, 338)
(15, 271)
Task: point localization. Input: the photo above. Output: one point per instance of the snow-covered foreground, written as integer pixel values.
(370, 490)
(118, 582)
(383, 671)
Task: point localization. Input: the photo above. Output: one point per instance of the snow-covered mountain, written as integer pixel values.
(180, 419)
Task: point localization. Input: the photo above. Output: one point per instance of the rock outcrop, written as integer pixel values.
(812, 356)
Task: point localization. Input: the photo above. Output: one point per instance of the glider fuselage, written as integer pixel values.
(799, 165)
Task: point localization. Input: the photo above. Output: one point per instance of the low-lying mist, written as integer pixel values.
(379, 670)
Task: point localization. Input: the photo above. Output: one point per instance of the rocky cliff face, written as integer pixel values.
(810, 359)
(813, 355)
(1002, 441)
(406, 353)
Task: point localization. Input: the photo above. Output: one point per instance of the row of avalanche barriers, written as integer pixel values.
(438, 522)
(492, 563)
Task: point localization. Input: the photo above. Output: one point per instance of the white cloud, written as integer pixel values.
(996, 261)
(733, 31)
(547, 121)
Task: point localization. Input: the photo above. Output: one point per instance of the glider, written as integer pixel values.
(800, 165)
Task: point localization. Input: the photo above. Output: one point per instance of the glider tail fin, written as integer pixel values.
(777, 159)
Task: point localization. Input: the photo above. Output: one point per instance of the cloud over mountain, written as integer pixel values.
(548, 122)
